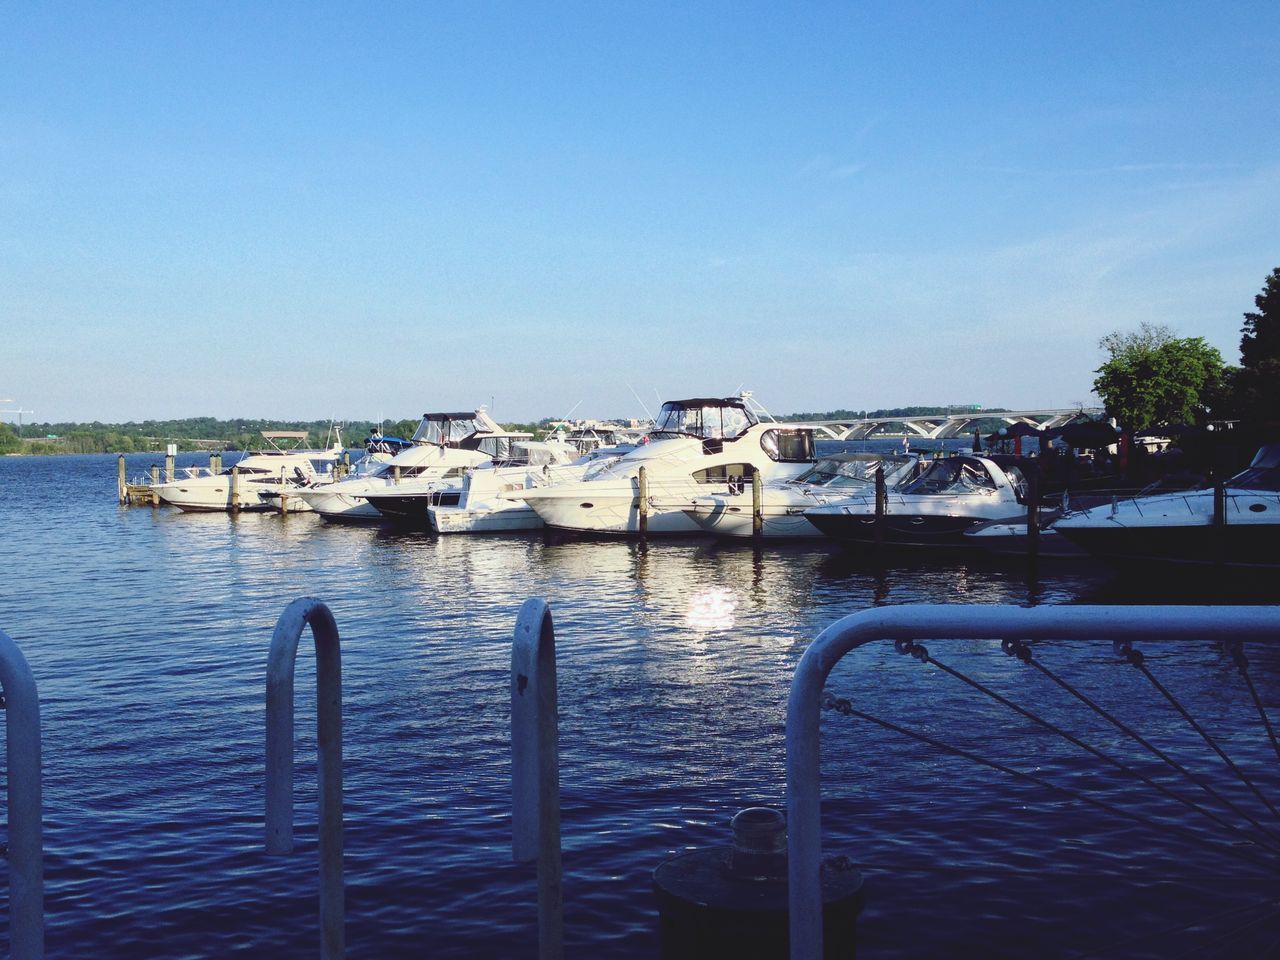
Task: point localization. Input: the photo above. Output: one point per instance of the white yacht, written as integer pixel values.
(484, 502)
(935, 509)
(408, 503)
(442, 448)
(783, 502)
(259, 477)
(697, 446)
(1185, 527)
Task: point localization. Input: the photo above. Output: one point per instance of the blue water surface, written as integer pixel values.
(147, 631)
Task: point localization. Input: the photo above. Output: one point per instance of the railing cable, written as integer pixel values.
(1022, 652)
(920, 653)
(1228, 941)
(1236, 649)
(1136, 659)
(841, 705)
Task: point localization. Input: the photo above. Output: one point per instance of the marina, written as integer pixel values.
(148, 630)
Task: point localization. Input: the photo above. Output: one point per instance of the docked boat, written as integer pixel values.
(443, 446)
(783, 502)
(1193, 526)
(697, 446)
(409, 502)
(256, 481)
(935, 509)
(485, 503)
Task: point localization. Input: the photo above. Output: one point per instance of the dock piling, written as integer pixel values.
(757, 505)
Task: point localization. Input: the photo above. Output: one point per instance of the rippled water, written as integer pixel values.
(147, 631)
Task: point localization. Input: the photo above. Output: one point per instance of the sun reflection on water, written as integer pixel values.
(710, 610)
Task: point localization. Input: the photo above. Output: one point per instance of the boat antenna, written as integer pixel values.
(641, 402)
(565, 418)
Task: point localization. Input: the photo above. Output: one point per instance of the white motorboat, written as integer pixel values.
(1243, 529)
(485, 504)
(783, 502)
(255, 480)
(697, 446)
(442, 448)
(935, 509)
(409, 502)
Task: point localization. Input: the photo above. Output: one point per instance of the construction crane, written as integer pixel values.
(18, 410)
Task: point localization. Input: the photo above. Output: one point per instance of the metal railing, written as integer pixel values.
(951, 621)
(279, 786)
(26, 845)
(535, 770)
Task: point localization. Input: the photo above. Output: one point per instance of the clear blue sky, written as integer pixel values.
(355, 210)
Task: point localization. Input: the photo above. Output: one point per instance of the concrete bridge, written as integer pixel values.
(943, 426)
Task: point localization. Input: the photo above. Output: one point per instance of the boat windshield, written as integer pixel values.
(704, 419)
(1263, 473)
(955, 475)
(446, 429)
(842, 473)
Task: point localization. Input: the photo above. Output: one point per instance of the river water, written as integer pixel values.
(147, 631)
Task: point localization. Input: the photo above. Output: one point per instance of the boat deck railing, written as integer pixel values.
(1015, 627)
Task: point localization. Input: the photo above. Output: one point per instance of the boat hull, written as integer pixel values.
(1252, 545)
(735, 520)
(480, 520)
(600, 512)
(413, 509)
(896, 529)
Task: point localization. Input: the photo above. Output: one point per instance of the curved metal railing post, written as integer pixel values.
(26, 845)
(279, 787)
(950, 621)
(535, 767)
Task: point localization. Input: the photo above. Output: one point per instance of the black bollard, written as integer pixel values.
(730, 903)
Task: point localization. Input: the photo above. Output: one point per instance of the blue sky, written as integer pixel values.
(360, 210)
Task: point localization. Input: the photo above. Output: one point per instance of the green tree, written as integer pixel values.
(1152, 378)
(1256, 385)
(9, 442)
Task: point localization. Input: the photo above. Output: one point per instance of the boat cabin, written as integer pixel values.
(703, 418)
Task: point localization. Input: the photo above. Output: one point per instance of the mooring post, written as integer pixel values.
(122, 483)
(535, 767)
(642, 505)
(1033, 510)
(215, 463)
(757, 505)
(170, 459)
(234, 488)
(1219, 519)
(26, 846)
(279, 786)
(882, 504)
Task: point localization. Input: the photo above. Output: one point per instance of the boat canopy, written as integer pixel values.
(951, 476)
(704, 418)
(451, 429)
(850, 469)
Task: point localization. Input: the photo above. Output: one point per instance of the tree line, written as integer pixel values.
(1153, 381)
